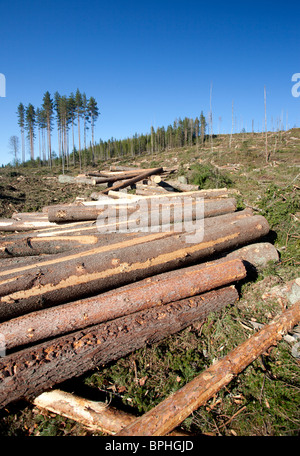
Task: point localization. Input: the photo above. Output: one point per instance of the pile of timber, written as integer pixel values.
(73, 298)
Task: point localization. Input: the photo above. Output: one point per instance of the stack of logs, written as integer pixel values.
(73, 298)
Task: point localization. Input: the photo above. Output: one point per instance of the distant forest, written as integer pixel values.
(75, 116)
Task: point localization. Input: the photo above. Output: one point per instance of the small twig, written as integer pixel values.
(233, 416)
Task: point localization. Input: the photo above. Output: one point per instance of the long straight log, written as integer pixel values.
(210, 193)
(76, 213)
(29, 372)
(94, 415)
(133, 180)
(58, 280)
(155, 291)
(173, 410)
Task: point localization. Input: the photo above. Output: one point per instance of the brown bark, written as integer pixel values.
(75, 276)
(155, 291)
(173, 410)
(27, 373)
(133, 180)
(212, 207)
(96, 416)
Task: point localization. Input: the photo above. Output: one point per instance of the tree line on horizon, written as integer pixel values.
(70, 112)
(67, 112)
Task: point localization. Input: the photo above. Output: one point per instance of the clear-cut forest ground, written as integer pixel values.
(265, 398)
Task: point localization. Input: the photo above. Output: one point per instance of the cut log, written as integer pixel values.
(20, 225)
(213, 193)
(29, 372)
(155, 291)
(212, 207)
(75, 276)
(133, 180)
(95, 416)
(172, 411)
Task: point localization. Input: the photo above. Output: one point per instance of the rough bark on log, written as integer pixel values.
(69, 277)
(58, 280)
(212, 207)
(27, 373)
(133, 180)
(94, 415)
(155, 291)
(173, 410)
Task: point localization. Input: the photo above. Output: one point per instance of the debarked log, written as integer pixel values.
(75, 276)
(181, 208)
(177, 407)
(155, 291)
(94, 415)
(29, 372)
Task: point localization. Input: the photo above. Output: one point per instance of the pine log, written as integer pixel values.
(20, 225)
(212, 207)
(155, 291)
(210, 193)
(31, 327)
(94, 415)
(75, 276)
(29, 372)
(176, 408)
(133, 180)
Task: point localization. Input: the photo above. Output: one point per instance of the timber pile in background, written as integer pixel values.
(73, 297)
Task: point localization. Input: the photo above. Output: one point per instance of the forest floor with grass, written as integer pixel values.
(263, 400)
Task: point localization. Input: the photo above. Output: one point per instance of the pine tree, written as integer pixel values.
(203, 126)
(78, 104)
(30, 118)
(48, 108)
(93, 114)
(21, 123)
(72, 112)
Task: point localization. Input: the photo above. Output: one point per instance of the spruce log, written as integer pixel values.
(59, 280)
(94, 415)
(29, 372)
(133, 180)
(212, 207)
(176, 408)
(155, 291)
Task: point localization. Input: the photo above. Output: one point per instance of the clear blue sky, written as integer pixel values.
(147, 63)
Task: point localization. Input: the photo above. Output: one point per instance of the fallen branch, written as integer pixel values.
(172, 411)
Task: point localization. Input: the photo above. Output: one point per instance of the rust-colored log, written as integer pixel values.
(53, 245)
(29, 372)
(176, 408)
(155, 291)
(133, 180)
(94, 415)
(186, 209)
(75, 276)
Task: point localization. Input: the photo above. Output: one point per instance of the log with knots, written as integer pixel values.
(79, 290)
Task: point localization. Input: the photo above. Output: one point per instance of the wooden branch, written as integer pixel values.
(27, 373)
(176, 408)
